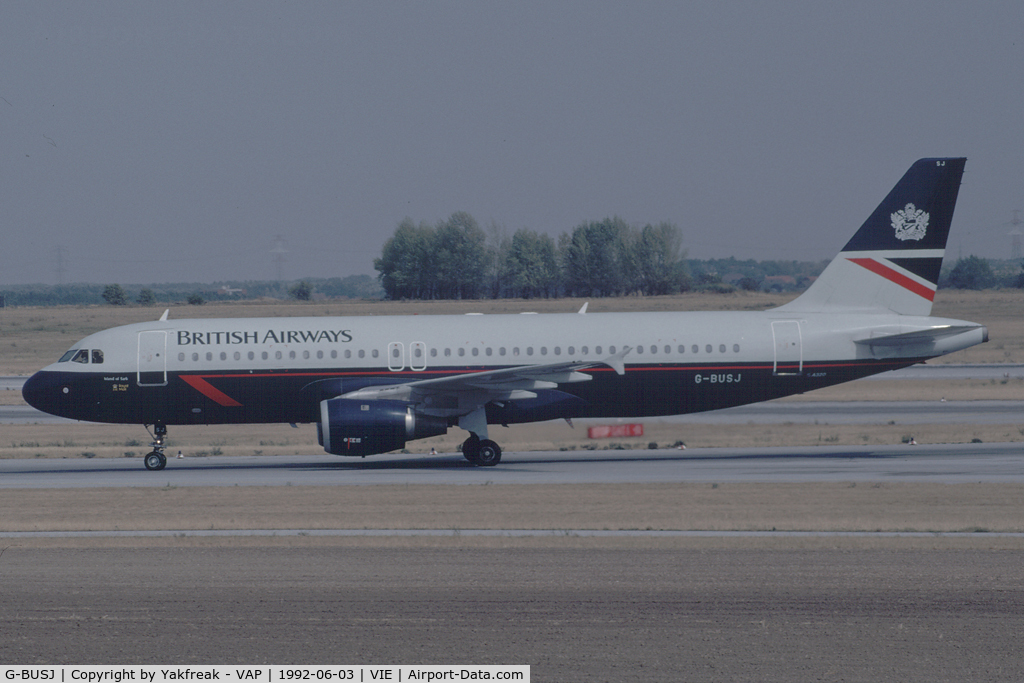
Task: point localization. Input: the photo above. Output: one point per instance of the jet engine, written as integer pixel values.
(355, 427)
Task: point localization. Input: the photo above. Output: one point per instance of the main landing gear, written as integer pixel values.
(483, 452)
(156, 460)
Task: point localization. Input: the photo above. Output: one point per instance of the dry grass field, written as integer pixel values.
(829, 507)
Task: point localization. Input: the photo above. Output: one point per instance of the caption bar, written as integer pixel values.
(263, 674)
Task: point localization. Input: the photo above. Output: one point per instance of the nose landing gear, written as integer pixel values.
(156, 460)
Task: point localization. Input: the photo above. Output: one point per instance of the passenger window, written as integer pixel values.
(81, 357)
(735, 348)
(223, 355)
(334, 353)
(462, 352)
(375, 353)
(721, 348)
(319, 355)
(668, 349)
(682, 349)
(417, 352)
(265, 355)
(305, 355)
(195, 357)
(598, 350)
(611, 350)
(238, 355)
(695, 348)
(278, 355)
(639, 348)
(543, 350)
(529, 350)
(395, 352)
(654, 349)
(501, 351)
(707, 348)
(476, 351)
(97, 356)
(181, 356)
(209, 355)
(348, 353)
(252, 355)
(584, 351)
(362, 354)
(571, 350)
(515, 350)
(433, 353)
(447, 353)
(489, 351)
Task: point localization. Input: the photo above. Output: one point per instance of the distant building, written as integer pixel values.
(779, 283)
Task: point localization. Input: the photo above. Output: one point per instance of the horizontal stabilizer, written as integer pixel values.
(917, 336)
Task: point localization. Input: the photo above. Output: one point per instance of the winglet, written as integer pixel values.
(583, 310)
(617, 362)
(163, 318)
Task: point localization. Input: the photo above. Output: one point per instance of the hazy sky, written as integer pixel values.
(174, 141)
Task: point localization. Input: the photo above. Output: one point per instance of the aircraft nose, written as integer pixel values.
(44, 390)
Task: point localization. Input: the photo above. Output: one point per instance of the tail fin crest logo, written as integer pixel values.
(910, 223)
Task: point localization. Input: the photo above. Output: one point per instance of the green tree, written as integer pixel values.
(146, 297)
(462, 257)
(655, 259)
(531, 265)
(971, 272)
(448, 261)
(595, 260)
(114, 295)
(301, 291)
(406, 265)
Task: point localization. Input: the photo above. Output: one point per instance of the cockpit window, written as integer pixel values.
(81, 357)
(67, 356)
(97, 356)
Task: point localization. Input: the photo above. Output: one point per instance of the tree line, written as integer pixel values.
(454, 259)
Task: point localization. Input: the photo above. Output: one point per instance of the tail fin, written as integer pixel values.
(893, 261)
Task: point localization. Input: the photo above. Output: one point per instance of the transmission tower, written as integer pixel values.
(279, 251)
(1015, 233)
(59, 263)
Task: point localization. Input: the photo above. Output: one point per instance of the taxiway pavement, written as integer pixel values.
(941, 463)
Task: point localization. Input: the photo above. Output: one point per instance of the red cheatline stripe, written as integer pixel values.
(209, 391)
(894, 276)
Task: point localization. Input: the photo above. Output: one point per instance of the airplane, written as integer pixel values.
(372, 384)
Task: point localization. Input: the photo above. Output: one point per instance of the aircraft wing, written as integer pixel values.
(507, 383)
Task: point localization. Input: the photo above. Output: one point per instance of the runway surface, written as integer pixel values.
(947, 463)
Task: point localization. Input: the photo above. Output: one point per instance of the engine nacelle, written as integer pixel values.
(354, 427)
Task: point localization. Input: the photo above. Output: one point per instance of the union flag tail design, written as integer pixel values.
(892, 263)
